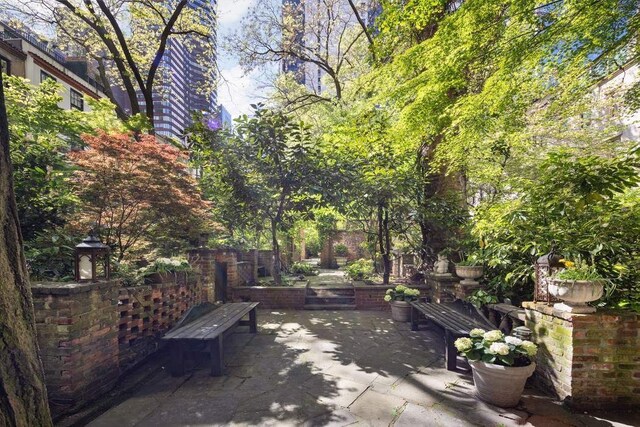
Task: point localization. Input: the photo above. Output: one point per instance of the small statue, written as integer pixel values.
(442, 265)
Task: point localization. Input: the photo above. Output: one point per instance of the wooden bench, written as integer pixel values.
(206, 326)
(453, 319)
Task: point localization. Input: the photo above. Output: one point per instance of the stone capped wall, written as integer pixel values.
(91, 333)
(592, 360)
(77, 327)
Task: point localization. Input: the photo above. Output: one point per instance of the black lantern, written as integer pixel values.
(546, 267)
(92, 259)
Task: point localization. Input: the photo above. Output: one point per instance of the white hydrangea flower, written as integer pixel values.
(477, 332)
(387, 298)
(495, 335)
(529, 347)
(499, 348)
(463, 344)
(513, 340)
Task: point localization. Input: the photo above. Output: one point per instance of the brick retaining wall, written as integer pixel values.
(592, 360)
(90, 333)
(271, 297)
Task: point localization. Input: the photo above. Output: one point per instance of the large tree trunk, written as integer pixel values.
(23, 396)
(277, 265)
(384, 241)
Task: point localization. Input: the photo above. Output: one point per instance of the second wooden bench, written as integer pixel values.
(450, 318)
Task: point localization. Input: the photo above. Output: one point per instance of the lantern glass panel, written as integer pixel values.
(85, 268)
(100, 267)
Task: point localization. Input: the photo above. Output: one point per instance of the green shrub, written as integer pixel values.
(303, 268)
(341, 250)
(361, 269)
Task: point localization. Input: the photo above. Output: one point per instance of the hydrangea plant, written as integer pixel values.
(495, 347)
(401, 293)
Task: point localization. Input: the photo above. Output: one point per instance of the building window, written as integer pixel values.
(77, 100)
(44, 76)
(5, 65)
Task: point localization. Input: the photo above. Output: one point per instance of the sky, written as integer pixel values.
(236, 90)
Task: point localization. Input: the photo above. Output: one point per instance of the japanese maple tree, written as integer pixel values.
(136, 190)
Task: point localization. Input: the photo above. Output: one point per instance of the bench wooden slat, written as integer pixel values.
(450, 318)
(454, 323)
(212, 324)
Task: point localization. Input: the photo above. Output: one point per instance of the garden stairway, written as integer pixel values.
(330, 298)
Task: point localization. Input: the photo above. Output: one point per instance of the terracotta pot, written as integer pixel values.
(500, 385)
(400, 311)
(576, 294)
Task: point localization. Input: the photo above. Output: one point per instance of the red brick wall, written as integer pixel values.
(592, 360)
(90, 333)
(271, 297)
(371, 297)
(146, 312)
(352, 239)
(77, 328)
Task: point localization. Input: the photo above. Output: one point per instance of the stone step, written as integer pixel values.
(329, 306)
(330, 292)
(338, 299)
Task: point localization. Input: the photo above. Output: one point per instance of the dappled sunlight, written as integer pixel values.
(319, 368)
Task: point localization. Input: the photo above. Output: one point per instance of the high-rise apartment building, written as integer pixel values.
(187, 73)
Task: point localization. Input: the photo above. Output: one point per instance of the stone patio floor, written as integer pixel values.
(339, 368)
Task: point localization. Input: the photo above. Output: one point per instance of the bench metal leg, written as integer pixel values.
(451, 354)
(176, 365)
(217, 357)
(253, 321)
(414, 319)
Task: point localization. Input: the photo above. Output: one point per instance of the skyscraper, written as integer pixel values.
(187, 73)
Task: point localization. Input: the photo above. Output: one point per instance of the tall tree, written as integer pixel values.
(127, 39)
(269, 165)
(23, 395)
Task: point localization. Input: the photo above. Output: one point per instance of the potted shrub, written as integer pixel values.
(470, 269)
(576, 285)
(167, 270)
(304, 269)
(399, 298)
(361, 269)
(341, 251)
(500, 365)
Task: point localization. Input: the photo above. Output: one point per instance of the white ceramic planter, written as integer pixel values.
(575, 294)
(400, 311)
(469, 273)
(500, 385)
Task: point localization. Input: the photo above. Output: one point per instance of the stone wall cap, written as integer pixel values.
(599, 315)
(360, 284)
(67, 288)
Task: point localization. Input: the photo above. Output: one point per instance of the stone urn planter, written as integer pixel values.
(341, 261)
(400, 311)
(500, 385)
(575, 294)
(469, 274)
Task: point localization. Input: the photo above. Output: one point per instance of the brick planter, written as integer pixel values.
(591, 360)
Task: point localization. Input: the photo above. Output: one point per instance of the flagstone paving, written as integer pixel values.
(332, 368)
